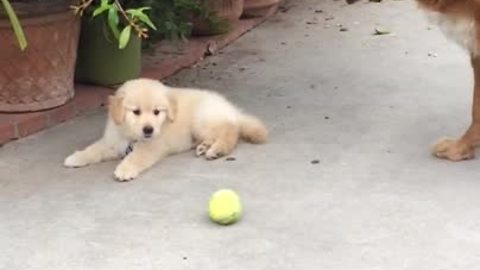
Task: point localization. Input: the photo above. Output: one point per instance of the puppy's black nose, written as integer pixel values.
(148, 130)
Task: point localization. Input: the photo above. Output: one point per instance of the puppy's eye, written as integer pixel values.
(156, 112)
(137, 112)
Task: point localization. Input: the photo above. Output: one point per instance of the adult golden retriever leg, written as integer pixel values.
(142, 157)
(464, 148)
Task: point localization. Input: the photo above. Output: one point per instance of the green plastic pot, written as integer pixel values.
(99, 59)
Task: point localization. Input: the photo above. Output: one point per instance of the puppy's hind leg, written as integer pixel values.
(224, 137)
(203, 147)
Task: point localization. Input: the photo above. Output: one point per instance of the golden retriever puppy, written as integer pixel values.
(154, 121)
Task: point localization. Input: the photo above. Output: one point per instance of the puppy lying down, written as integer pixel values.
(154, 121)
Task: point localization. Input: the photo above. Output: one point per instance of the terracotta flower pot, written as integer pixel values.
(227, 11)
(40, 77)
(258, 8)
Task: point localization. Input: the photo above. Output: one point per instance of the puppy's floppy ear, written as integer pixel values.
(172, 108)
(115, 109)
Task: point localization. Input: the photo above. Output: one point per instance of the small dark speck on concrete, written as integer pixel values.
(242, 69)
(185, 258)
(327, 117)
(214, 64)
(283, 43)
(315, 161)
(312, 86)
(289, 107)
(319, 11)
(307, 35)
(230, 159)
(343, 29)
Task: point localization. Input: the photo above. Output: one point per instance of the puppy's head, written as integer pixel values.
(142, 107)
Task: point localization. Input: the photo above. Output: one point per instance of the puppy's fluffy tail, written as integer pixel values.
(252, 129)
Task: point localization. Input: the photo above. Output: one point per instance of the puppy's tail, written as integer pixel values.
(252, 129)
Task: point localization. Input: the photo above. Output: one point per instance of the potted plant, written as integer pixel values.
(216, 16)
(110, 42)
(172, 18)
(176, 19)
(37, 58)
(258, 8)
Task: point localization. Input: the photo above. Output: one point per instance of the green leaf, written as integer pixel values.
(137, 13)
(17, 27)
(104, 6)
(143, 8)
(145, 19)
(124, 37)
(99, 10)
(113, 20)
(131, 11)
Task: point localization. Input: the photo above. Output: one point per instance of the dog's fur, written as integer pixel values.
(161, 121)
(458, 19)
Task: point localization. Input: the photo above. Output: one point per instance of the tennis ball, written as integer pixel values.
(224, 207)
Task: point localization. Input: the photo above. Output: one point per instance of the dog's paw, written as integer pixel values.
(125, 172)
(75, 160)
(453, 150)
(202, 148)
(212, 154)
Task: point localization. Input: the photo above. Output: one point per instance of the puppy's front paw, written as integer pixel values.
(75, 160)
(125, 172)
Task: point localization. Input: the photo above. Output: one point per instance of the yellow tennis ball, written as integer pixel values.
(224, 207)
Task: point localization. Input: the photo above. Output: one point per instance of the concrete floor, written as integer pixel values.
(367, 107)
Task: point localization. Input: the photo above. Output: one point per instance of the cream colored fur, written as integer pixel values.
(181, 119)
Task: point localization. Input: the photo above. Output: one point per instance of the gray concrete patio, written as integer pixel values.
(367, 107)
